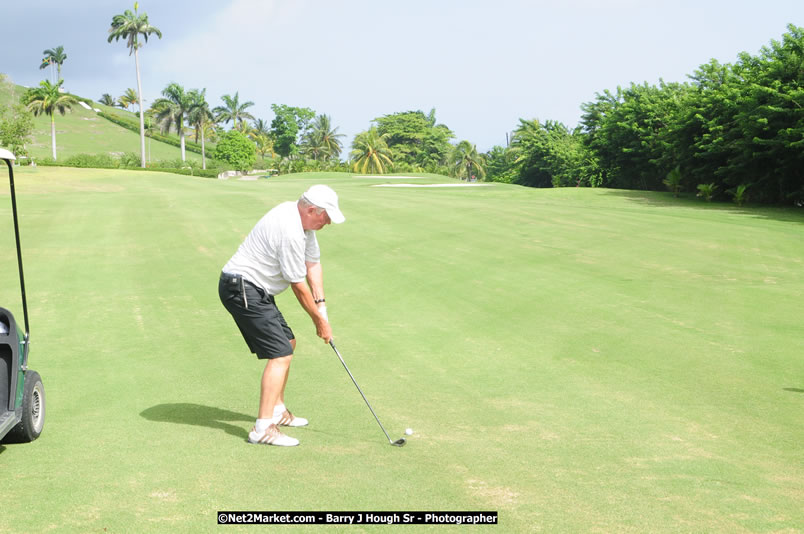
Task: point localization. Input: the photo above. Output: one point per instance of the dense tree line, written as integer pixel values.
(412, 141)
(734, 129)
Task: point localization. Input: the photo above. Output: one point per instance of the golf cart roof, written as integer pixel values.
(5, 154)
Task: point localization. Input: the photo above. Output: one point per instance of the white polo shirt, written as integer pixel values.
(274, 253)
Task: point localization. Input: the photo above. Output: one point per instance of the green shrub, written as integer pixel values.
(84, 161)
(166, 164)
(92, 161)
(47, 162)
(707, 191)
(16, 129)
(130, 159)
(188, 171)
(237, 150)
(739, 194)
(673, 181)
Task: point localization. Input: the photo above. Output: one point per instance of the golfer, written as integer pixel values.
(280, 251)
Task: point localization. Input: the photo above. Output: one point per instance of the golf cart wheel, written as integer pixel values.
(33, 408)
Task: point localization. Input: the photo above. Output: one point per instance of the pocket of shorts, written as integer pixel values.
(229, 292)
(253, 294)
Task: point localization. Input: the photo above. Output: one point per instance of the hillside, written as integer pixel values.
(83, 131)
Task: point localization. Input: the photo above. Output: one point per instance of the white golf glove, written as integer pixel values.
(323, 311)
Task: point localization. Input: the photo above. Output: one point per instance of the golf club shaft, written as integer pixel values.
(361, 391)
(19, 249)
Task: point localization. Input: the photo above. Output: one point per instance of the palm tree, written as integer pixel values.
(265, 145)
(739, 194)
(201, 118)
(431, 118)
(260, 133)
(673, 181)
(260, 127)
(322, 141)
(174, 109)
(129, 26)
(128, 98)
(467, 162)
(233, 110)
(707, 191)
(53, 56)
(106, 99)
(48, 99)
(370, 152)
(150, 129)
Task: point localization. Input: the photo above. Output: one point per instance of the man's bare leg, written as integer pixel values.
(272, 387)
(287, 373)
(273, 382)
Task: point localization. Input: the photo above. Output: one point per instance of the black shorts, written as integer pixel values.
(256, 315)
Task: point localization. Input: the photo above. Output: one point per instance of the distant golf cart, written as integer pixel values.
(22, 395)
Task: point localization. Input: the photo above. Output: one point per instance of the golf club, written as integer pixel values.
(398, 443)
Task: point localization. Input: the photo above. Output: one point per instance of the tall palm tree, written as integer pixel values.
(260, 127)
(173, 110)
(467, 162)
(370, 152)
(201, 118)
(128, 98)
(322, 142)
(233, 111)
(53, 56)
(130, 26)
(48, 99)
(150, 129)
(106, 99)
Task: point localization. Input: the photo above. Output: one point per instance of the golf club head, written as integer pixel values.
(399, 443)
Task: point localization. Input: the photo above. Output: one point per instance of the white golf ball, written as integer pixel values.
(409, 431)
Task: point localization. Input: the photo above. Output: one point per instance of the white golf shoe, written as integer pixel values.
(288, 419)
(271, 436)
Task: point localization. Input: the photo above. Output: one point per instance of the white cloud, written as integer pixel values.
(227, 46)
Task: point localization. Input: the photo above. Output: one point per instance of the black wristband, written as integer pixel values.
(320, 301)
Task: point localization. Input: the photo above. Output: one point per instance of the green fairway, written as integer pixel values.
(579, 360)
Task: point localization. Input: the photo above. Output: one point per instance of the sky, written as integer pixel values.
(483, 65)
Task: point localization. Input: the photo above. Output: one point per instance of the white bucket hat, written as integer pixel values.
(324, 197)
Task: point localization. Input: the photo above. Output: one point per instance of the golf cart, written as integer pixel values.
(22, 395)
